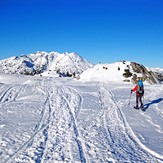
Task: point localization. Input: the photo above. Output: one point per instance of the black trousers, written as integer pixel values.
(139, 100)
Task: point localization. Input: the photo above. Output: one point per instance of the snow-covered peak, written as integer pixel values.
(157, 69)
(17, 65)
(105, 72)
(123, 71)
(65, 64)
(159, 72)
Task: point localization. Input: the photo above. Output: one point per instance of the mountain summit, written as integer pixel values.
(43, 63)
(122, 71)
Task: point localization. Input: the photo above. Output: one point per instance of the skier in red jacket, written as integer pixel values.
(139, 89)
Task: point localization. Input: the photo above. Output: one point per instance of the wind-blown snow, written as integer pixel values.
(106, 72)
(61, 120)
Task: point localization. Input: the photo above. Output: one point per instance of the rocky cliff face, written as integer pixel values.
(160, 76)
(146, 75)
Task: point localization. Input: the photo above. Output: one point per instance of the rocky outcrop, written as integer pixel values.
(159, 73)
(140, 71)
(160, 76)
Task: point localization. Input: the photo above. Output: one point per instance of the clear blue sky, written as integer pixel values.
(103, 31)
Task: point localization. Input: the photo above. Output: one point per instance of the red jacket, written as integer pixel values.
(136, 89)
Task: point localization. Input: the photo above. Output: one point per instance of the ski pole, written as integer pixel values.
(129, 98)
(143, 95)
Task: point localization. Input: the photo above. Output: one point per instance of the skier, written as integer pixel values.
(139, 89)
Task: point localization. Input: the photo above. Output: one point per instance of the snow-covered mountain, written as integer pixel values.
(53, 63)
(122, 71)
(72, 64)
(17, 65)
(159, 72)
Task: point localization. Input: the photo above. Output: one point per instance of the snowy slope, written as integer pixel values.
(157, 69)
(61, 120)
(44, 63)
(105, 72)
(122, 71)
(159, 72)
(17, 65)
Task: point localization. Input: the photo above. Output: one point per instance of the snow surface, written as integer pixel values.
(112, 72)
(104, 72)
(61, 120)
(157, 69)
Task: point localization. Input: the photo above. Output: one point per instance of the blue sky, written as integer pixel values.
(103, 31)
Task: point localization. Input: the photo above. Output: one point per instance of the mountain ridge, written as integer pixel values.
(122, 71)
(72, 64)
(65, 64)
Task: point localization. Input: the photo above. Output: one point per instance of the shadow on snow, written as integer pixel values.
(152, 102)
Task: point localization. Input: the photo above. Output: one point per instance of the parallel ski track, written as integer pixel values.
(100, 149)
(55, 132)
(121, 133)
(45, 130)
(10, 94)
(40, 127)
(73, 115)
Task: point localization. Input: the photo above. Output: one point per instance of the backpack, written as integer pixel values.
(140, 87)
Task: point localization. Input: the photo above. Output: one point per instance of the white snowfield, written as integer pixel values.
(61, 120)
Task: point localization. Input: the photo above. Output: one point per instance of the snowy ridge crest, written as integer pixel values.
(43, 63)
(122, 71)
(73, 65)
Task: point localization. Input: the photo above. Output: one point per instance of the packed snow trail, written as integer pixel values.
(67, 121)
(121, 135)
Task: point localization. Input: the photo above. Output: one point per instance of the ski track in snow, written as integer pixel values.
(74, 125)
(121, 136)
(9, 95)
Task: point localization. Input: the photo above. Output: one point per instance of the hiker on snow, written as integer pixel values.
(139, 89)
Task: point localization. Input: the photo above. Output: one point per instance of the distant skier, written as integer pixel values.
(139, 89)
